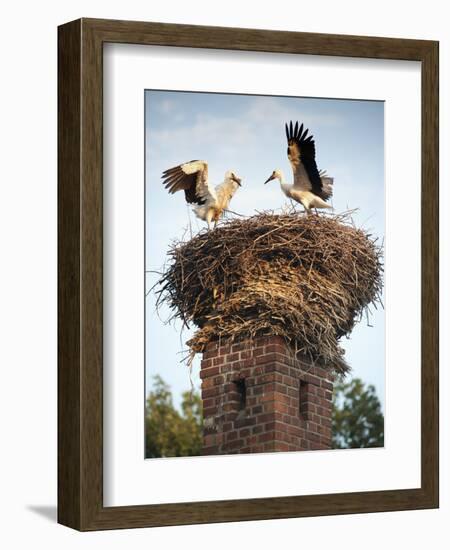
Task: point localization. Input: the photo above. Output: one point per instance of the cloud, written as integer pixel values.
(167, 106)
(262, 120)
(273, 111)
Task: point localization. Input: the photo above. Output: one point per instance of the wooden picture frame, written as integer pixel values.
(80, 272)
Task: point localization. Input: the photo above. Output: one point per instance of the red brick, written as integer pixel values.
(311, 379)
(232, 396)
(266, 436)
(209, 354)
(326, 422)
(213, 450)
(267, 358)
(209, 440)
(210, 411)
(279, 426)
(322, 411)
(282, 446)
(231, 406)
(210, 392)
(207, 403)
(275, 406)
(291, 420)
(223, 350)
(291, 381)
(267, 397)
(245, 421)
(279, 348)
(281, 388)
(232, 435)
(295, 430)
(324, 431)
(211, 371)
(267, 378)
(234, 445)
(274, 419)
(238, 347)
(207, 383)
(321, 373)
(242, 364)
(263, 418)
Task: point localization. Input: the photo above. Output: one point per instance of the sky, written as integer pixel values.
(246, 134)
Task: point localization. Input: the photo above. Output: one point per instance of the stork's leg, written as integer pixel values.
(209, 216)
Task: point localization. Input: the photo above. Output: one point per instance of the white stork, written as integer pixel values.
(311, 188)
(192, 178)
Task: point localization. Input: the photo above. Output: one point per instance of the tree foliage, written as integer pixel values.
(169, 432)
(357, 417)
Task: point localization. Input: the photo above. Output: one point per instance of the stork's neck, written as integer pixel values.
(280, 177)
(285, 186)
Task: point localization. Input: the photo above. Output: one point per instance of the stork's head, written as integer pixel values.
(276, 174)
(230, 175)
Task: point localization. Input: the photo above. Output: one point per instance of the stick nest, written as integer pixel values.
(306, 278)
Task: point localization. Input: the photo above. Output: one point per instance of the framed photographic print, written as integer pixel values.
(248, 274)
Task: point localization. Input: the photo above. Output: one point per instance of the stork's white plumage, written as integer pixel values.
(192, 178)
(311, 187)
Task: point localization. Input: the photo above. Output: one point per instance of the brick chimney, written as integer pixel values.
(257, 397)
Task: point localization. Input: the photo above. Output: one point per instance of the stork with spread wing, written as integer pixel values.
(192, 178)
(311, 187)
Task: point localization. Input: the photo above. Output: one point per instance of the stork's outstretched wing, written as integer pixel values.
(327, 183)
(302, 156)
(192, 178)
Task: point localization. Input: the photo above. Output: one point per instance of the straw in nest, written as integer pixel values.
(308, 279)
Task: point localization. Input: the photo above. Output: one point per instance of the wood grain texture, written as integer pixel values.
(69, 244)
(430, 273)
(80, 249)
